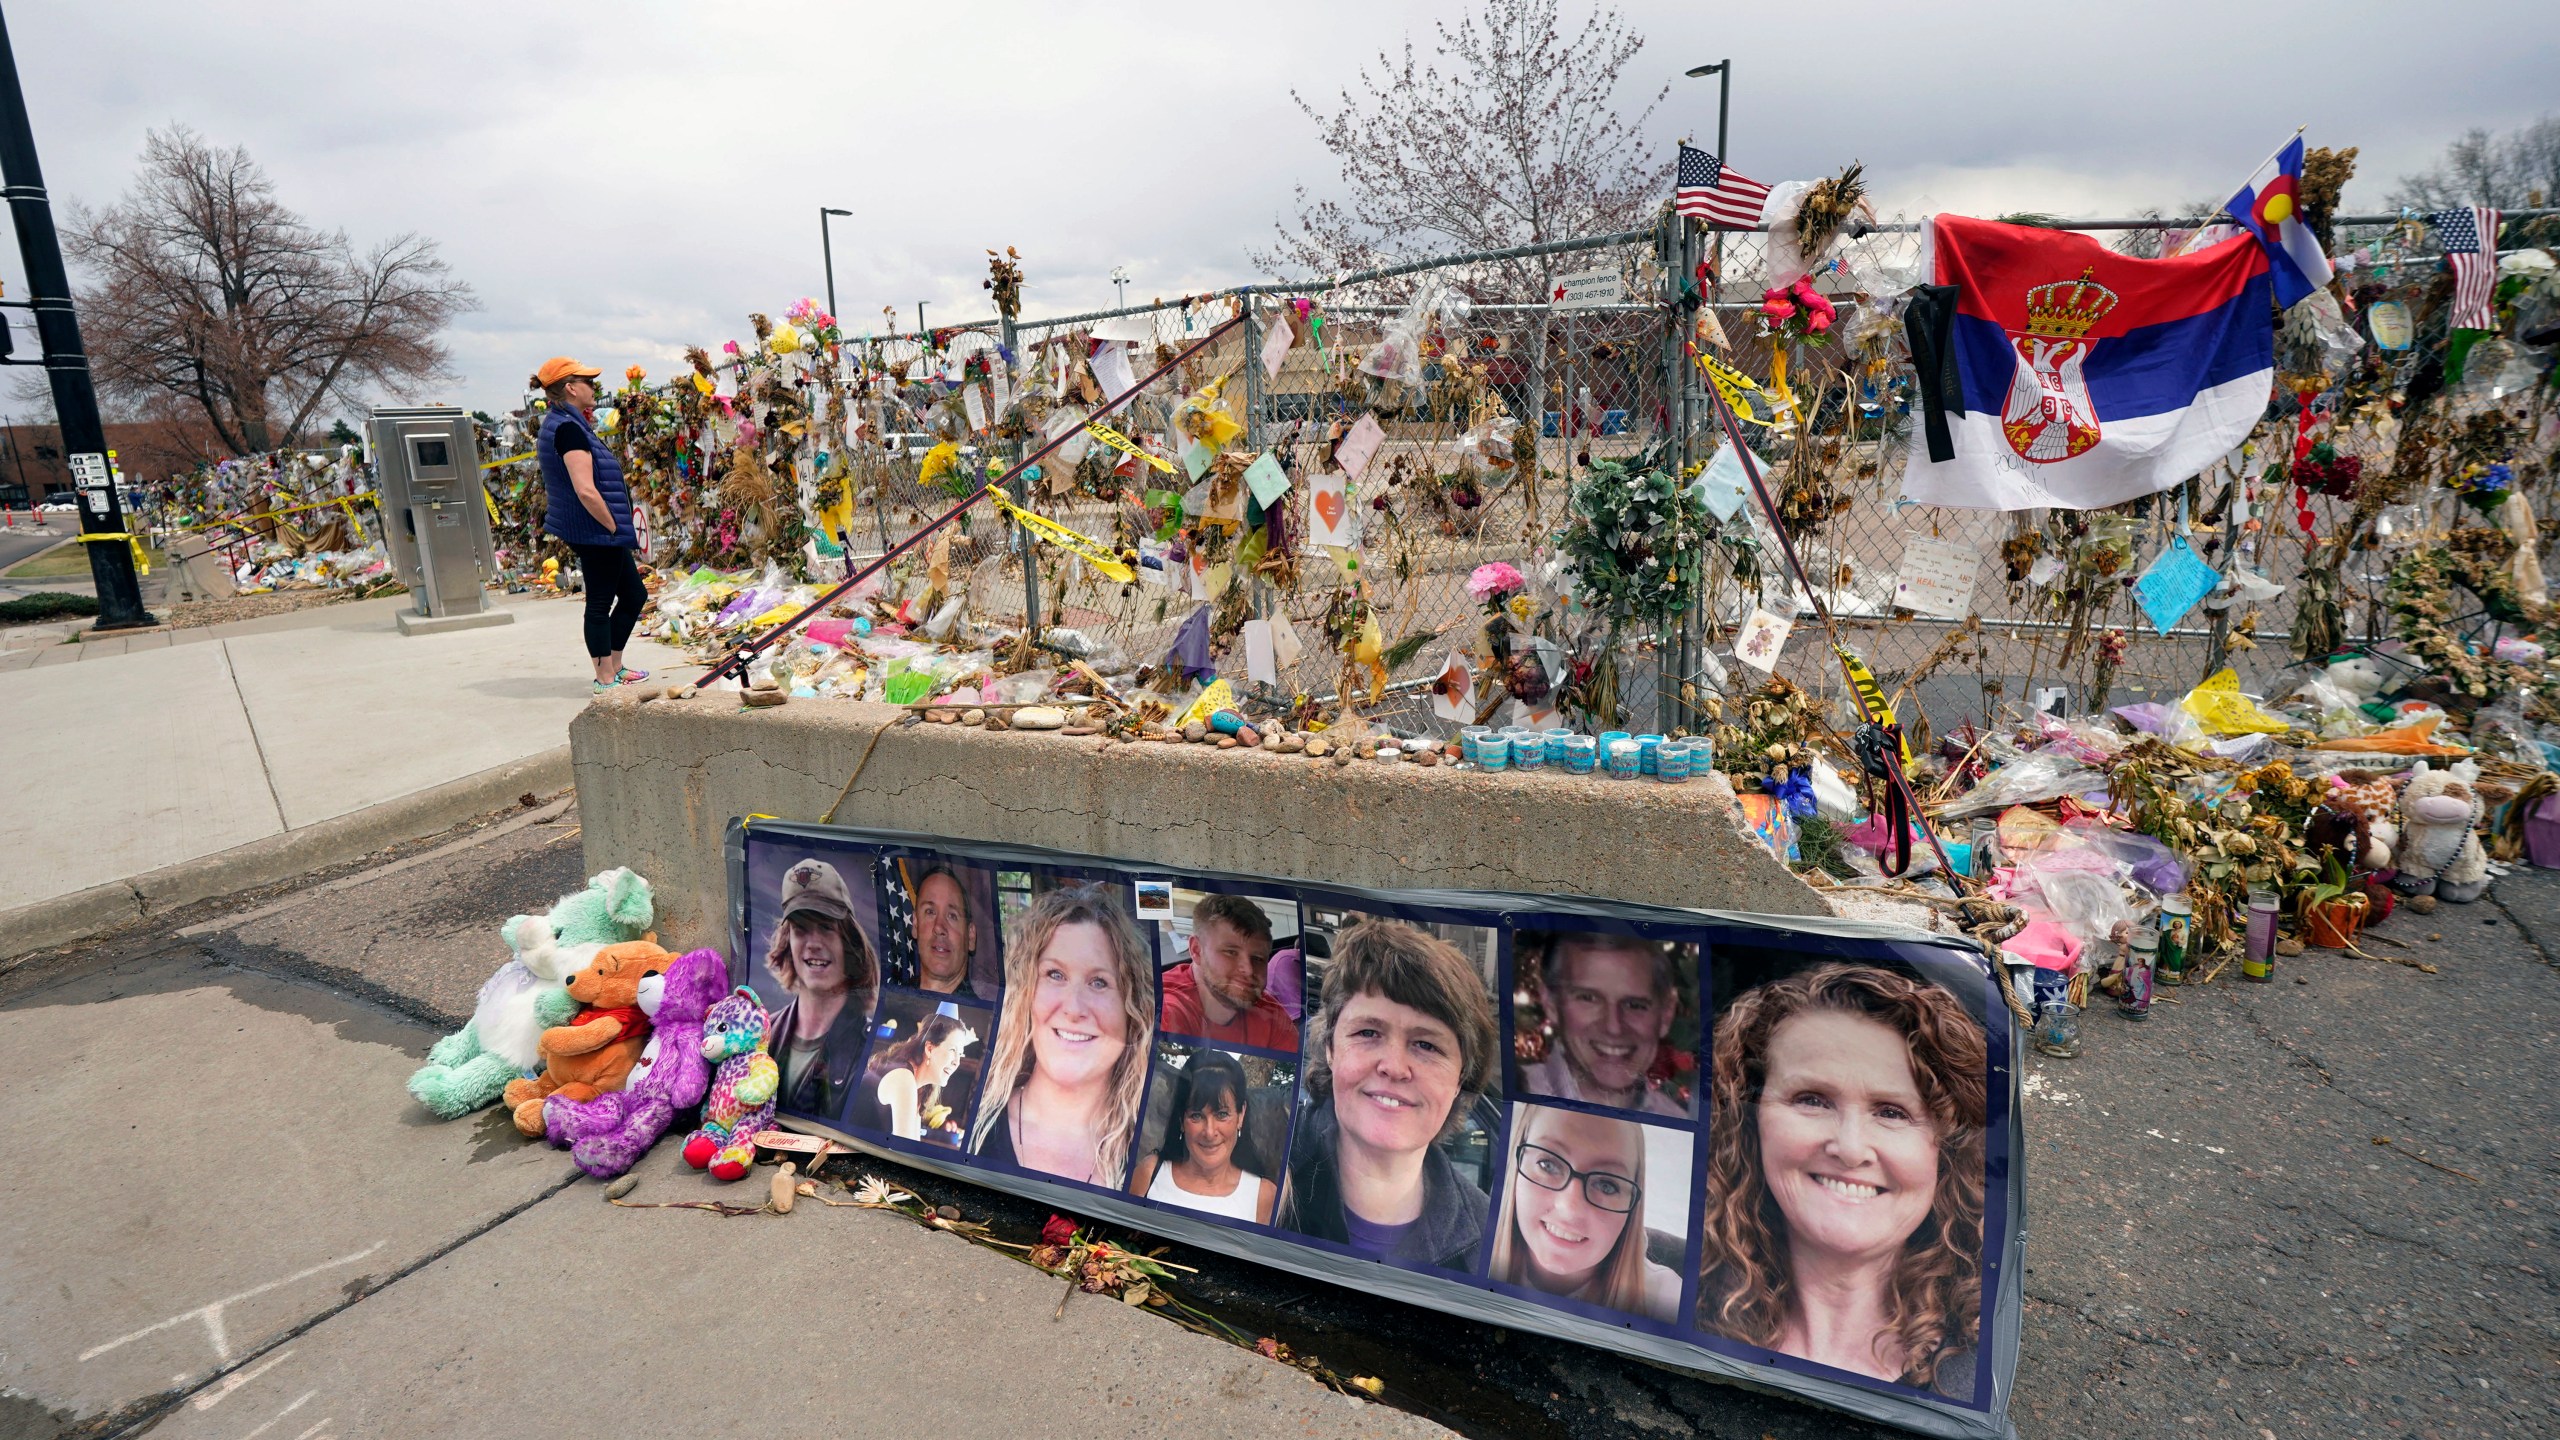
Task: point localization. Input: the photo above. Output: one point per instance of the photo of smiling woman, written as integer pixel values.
(1400, 1048)
(1209, 1159)
(1069, 1066)
(1844, 1199)
(1574, 1221)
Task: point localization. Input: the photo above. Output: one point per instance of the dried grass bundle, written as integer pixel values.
(1828, 205)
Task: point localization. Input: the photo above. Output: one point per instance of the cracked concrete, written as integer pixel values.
(660, 782)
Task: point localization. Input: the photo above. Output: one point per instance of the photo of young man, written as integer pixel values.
(1613, 1005)
(1219, 992)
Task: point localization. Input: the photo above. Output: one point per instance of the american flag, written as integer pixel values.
(2470, 238)
(1716, 195)
(897, 924)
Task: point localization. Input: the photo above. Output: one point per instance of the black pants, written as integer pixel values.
(615, 596)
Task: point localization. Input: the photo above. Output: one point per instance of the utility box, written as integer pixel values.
(435, 516)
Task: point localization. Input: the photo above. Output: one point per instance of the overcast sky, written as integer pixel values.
(617, 181)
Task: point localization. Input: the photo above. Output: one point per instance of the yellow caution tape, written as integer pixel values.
(346, 501)
(1737, 390)
(1871, 697)
(141, 561)
(509, 460)
(1093, 552)
(1125, 445)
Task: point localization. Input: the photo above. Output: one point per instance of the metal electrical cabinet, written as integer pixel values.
(435, 516)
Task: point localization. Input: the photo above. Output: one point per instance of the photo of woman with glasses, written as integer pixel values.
(1573, 1217)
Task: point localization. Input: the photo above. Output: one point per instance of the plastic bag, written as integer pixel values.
(2223, 710)
(2042, 776)
(1833, 799)
(1398, 353)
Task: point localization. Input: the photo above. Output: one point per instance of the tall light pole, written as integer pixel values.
(1723, 71)
(66, 362)
(1120, 278)
(827, 245)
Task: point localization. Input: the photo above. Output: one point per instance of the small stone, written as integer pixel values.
(1039, 717)
(1248, 736)
(2434, 935)
(1341, 757)
(2422, 904)
(2288, 947)
(1319, 747)
(622, 1187)
(1195, 732)
(1426, 757)
(1274, 742)
(974, 717)
(940, 717)
(767, 697)
(1227, 742)
(1082, 730)
(1293, 744)
(998, 722)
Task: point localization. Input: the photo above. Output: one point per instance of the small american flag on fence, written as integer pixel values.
(2470, 238)
(1706, 189)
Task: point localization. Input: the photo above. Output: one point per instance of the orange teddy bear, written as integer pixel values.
(594, 1052)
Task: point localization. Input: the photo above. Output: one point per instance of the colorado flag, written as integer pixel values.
(2274, 215)
(2059, 372)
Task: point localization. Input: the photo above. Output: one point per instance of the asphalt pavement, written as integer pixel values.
(2321, 1207)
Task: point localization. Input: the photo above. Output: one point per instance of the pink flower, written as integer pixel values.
(729, 347)
(1778, 306)
(1819, 323)
(1493, 580)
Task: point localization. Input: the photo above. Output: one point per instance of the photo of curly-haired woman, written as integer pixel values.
(1843, 1220)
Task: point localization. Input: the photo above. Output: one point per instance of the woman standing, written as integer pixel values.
(1402, 1046)
(588, 509)
(1845, 1176)
(1572, 1220)
(1208, 1161)
(907, 1078)
(1070, 1063)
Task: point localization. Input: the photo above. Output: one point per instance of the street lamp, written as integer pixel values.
(1120, 278)
(1723, 71)
(827, 245)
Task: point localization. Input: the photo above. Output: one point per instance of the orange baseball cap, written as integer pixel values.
(559, 368)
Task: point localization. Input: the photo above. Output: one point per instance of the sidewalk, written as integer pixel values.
(136, 753)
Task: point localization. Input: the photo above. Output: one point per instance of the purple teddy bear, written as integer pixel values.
(609, 1134)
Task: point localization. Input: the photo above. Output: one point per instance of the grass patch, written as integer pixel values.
(46, 605)
(66, 561)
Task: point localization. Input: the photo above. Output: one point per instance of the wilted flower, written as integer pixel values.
(1058, 1231)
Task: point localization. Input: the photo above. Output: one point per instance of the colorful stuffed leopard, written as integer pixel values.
(741, 1099)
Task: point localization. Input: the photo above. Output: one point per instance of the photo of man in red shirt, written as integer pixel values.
(1217, 994)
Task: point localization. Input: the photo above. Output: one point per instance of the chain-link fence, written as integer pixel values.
(1503, 386)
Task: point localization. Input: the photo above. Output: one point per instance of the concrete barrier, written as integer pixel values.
(658, 784)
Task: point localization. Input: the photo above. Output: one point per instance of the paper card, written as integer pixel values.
(1215, 580)
(1260, 665)
(1284, 640)
(1762, 641)
(1267, 480)
(1275, 346)
(1359, 446)
(1723, 485)
(2173, 584)
(2043, 572)
(1453, 690)
(1197, 458)
(1151, 562)
(976, 405)
(1937, 578)
(1536, 717)
(1003, 383)
(1111, 371)
(1330, 522)
(1137, 329)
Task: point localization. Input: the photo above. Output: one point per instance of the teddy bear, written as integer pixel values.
(608, 1134)
(741, 1100)
(471, 1067)
(595, 1051)
(2439, 846)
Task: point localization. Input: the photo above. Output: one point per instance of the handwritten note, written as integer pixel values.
(1359, 446)
(1937, 578)
(1267, 480)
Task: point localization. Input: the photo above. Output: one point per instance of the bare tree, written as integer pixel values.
(212, 301)
(2517, 170)
(1511, 135)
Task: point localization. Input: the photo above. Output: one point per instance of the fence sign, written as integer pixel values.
(1587, 290)
(1624, 1125)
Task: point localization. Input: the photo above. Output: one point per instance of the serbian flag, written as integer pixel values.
(2055, 372)
(2274, 214)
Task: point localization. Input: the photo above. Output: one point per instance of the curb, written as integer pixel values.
(84, 913)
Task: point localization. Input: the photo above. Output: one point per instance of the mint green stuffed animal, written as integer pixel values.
(471, 1067)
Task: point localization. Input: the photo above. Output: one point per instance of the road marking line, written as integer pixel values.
(289, 1409)
(212, 1314)
(230, 1383)
(314, 1430)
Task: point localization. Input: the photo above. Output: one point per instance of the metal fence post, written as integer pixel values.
(1020, 485)
(1252, 367)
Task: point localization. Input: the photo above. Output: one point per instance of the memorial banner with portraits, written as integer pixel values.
(1771, 1149)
